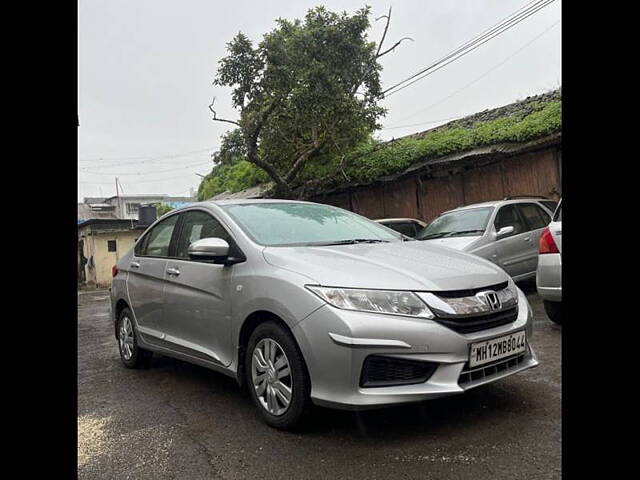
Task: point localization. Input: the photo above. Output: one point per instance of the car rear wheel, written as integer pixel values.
(130, 353)
(554, 311)
(277, 377)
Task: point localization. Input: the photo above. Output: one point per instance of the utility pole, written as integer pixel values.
(118, 197)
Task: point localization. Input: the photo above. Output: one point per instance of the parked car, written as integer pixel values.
(505, 232)
(407, 226)
(549, 278)
(311, 304)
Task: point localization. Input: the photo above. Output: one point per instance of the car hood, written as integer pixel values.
(408, 265)
(457, 243)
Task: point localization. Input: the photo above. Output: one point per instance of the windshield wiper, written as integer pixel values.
(434, 235)
(352, 241)
(462, 232)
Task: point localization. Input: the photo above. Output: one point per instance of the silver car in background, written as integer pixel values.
(310, 304)
(549, 278)
(505, 232)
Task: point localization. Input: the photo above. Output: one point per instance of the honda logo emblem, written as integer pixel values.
(490, 299)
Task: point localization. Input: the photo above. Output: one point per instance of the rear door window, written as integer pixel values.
(508, 216)
(156, 242)
(534, 216)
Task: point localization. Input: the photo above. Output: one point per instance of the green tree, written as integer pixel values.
(306, 93)
(162, 208)
(231, 170)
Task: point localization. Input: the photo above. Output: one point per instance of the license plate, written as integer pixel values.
(496, 348)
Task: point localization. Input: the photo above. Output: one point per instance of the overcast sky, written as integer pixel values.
(145, 69)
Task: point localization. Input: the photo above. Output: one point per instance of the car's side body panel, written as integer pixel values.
(146, 284)
(197, 307)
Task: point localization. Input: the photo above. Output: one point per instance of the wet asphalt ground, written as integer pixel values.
(179, 421)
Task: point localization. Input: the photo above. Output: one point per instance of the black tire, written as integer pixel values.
(300, 384)
(554, 311)
(140, 357)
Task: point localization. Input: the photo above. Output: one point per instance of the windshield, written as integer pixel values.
(279, 224)
(458, 223)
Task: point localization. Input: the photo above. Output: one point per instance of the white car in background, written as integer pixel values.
(549, 278)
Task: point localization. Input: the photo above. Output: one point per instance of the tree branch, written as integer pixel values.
(394, 46)
(215, 117)
(267, 167)
(302, 159)
(386, 27)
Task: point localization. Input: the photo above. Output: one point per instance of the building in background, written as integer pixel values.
(125, 206)
(102, 241)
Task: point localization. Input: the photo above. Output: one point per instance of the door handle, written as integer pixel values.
(173, 271)
(135, 265)
(527, 239)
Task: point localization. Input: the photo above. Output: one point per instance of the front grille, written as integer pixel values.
(491, 369)
(379, 371)
(475, 323)
(471, 291)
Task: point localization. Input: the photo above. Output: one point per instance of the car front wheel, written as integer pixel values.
(277, 376)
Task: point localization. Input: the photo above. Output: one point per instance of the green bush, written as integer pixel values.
(233, 177)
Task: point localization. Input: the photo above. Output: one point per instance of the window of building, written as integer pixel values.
(111, 245)
(132, 207)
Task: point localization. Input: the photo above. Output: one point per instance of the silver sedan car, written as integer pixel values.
(505, 232)
(549, 278)
(310, 304)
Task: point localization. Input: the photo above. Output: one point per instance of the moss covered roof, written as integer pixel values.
(530, 123)
(536, 120)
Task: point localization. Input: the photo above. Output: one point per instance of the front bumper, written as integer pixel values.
(335, 361)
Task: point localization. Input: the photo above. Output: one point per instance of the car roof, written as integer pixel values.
(398, 220)
(245, 201)
(499, 203)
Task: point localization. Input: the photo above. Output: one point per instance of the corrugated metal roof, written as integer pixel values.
(253, 192)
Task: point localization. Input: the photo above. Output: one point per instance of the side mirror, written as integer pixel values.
(504, 231)
(213, 249)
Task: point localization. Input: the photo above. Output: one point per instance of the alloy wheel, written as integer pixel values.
(271, 376)
(126, 338)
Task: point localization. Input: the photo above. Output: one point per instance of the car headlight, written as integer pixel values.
(378, 301)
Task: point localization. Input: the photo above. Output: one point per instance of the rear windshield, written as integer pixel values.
(557, 217)
(406, 228)
(550, 204)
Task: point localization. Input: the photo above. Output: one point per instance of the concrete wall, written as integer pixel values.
(95, 245)
(426, 196)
